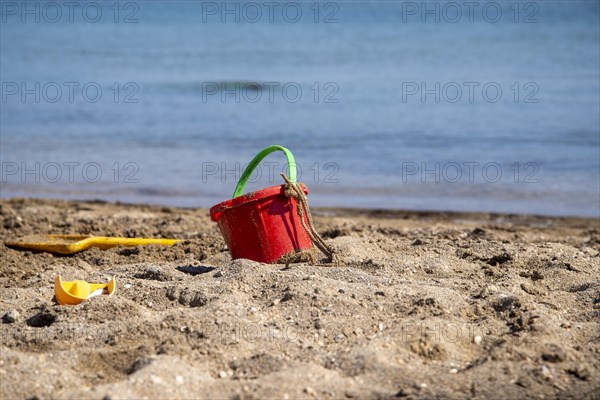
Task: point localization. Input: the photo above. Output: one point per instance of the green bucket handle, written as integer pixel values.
(239, 189)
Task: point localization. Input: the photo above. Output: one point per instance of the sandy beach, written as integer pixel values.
(420, 305)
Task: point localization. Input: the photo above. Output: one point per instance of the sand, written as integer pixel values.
(421, 305)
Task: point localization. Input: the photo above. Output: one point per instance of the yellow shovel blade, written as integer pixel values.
(71, 244)
(74, 292)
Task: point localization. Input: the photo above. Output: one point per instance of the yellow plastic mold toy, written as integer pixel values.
(74, 292)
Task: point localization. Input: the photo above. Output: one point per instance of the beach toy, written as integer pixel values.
(270, 223)
(75, 292)
(71, 244)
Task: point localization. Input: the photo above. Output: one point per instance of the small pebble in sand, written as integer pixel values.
(477, 340)
(453, 371)
(222, 374)
(309, 391)
(10, 317)
(253, 310)
(83, 265)
(218, 274)
(179, 379)
(546, 372)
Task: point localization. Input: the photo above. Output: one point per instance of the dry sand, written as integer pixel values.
(421, 305)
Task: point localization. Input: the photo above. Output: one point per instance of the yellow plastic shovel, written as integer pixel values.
(71, 244)
(74, 292)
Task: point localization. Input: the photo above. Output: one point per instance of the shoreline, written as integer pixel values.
(338, 210)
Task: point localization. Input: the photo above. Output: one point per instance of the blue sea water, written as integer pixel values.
(405, 105)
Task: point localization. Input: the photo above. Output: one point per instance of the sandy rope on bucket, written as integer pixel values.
(294, 191)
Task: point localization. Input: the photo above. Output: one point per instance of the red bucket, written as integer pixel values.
(263, 225)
